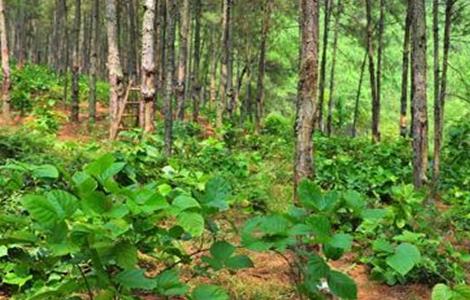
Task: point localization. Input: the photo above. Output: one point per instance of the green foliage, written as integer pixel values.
(307, 226)
(444, 292)
(100, 225)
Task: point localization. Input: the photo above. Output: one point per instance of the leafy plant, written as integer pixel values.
(89, 238)
(305, 228)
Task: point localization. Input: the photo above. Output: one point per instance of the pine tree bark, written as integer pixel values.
(196, 79)
(74, 116)
(224, 64)
(6, 85)
(116, 77)
(373, 81)
(182, 60)
(306, 101)
(148, 64)
(377, 101)
(331, 101)
(420, 120)
(132, 48)
(440, 103)
(95, 37)
(171, 11)
(405, 72)
(262, 65)
(358, 96)
(326, 30)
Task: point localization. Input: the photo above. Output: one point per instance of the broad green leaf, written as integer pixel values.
(135, 279)
(342, 241)
(222, 250)
(184, 202)
(317, 268)
(3, 251)
(311, 196)
(168, 284)
(126, 255)
(239, 262)
(382, 245)
(332, 252)
(209, 292)
(96, 202)
(405, 258)
(354, 201)
(373, 213)
(41, 209)
(99, 166)
(216, 194)
(67, 203)
(84, 182)
(441, 292)
(191, 222)
(15, 279)
(45, 171)
(342, 285)
(321, 228)
(461, 292)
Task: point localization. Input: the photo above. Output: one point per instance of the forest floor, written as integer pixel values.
(270, 278)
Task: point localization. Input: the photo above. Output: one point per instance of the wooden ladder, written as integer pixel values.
(130, 111)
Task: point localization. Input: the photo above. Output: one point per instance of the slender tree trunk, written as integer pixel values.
(326, 30)
(373, 82)
(305, 117)
(74, 117)
(420, 120)
(331, 102)
(132, 49)
(95, 37)
(358, 96)
(183, 59)
(262, 65)
(5, 65)
(377, 101)
(405, 73)
(171, 11)
(213, 77)
(440, 103)
(66, 41)
(148, 64)
(224, 63)
(116, 77)
(196, 85)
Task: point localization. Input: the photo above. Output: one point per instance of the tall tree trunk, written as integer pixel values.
(5, 64)
(262, 65)
(420, 120)
(132, 49)
(66, 41)
(183, 60)
(74, 116)
(224, 63)
(331, 100)
(377, 101)
(171, 11)
(305, 117)
(95, 37)
(440, 103)
(326, 30)
(196, 85)
(116, 77)
(373, 82)
(358, 96)
(213, 81)
(405, 72)
(148, 64)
